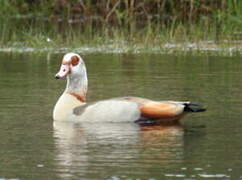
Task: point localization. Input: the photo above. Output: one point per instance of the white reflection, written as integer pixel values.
(87, 149)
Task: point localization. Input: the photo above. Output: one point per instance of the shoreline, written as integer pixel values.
(223, 48)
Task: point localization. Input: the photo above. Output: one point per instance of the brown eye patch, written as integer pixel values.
(74, 60)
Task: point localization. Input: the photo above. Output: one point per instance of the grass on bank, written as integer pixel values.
(121, 24)
(25, 33)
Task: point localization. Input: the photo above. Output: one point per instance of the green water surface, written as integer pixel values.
(207, 146)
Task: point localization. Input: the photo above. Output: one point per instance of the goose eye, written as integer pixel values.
(74, 60)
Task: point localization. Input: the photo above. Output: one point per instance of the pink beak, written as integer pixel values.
(64, 70)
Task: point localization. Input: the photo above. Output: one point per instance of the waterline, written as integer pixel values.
(226, 48)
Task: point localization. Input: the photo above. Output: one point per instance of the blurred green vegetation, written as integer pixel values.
(73, 22)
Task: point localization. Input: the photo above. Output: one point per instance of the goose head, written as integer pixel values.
(74, 69)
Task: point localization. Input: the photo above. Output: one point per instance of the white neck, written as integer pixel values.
(77, 85)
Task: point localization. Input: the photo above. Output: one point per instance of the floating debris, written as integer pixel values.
(214, 175)
(175, 175)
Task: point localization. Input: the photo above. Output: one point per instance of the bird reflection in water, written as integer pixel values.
(87, 149)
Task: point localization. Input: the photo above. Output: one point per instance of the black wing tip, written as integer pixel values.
(200, 110)
(194, 107)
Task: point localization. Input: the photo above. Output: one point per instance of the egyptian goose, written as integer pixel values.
(72, 105)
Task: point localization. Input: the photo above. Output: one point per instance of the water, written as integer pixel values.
(207, 145)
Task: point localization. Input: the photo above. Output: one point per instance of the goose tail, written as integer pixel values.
(193, 107)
